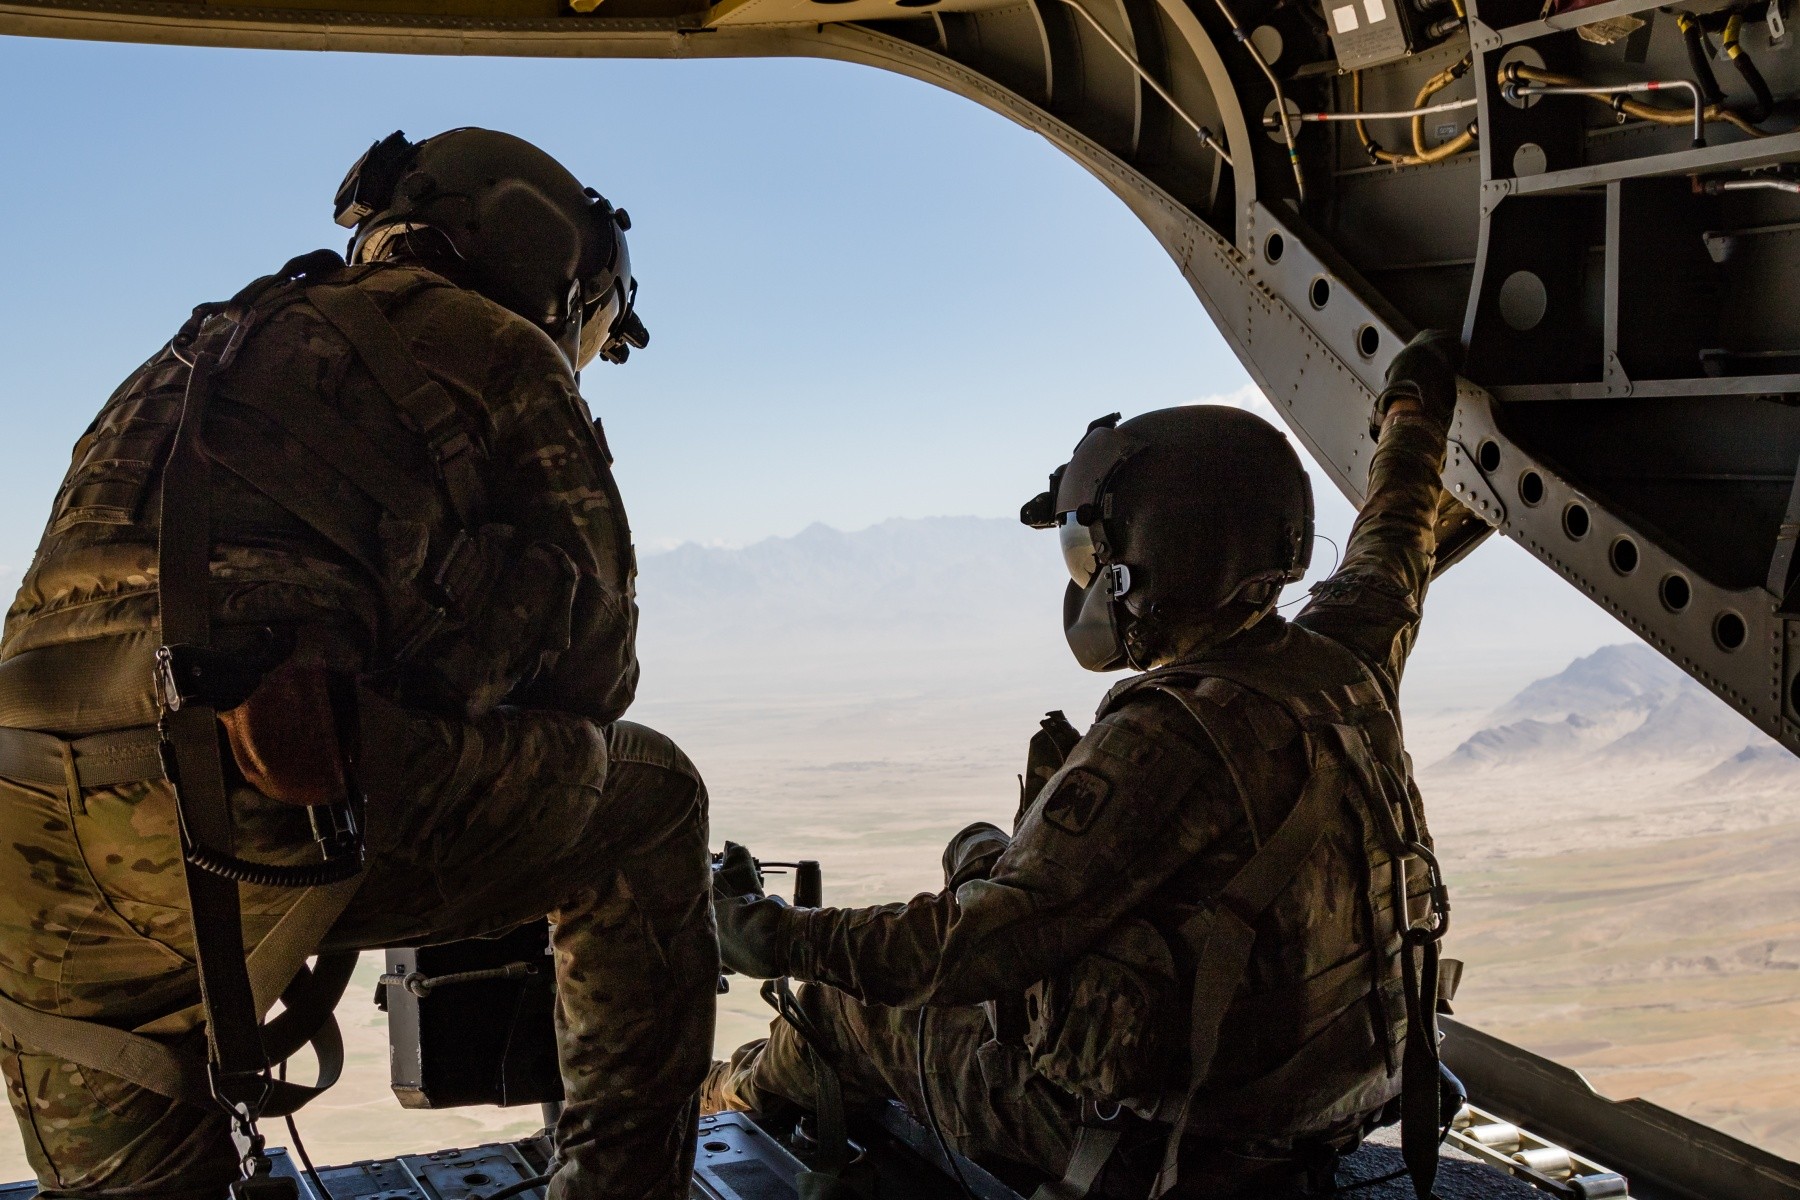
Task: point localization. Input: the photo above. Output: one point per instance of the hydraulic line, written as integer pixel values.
(1546, 83)
(1399, 114)
(1416, 114)
(1714, 187)
(1433, 86)
(1753, 78)
(1693, 36)
(1207, 137)
(1281, 112)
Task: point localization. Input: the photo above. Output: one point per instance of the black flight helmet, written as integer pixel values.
(530, 237)
(1179, 528)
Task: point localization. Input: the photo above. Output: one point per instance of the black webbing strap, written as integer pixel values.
(345, 449)
(1420, 1107)
(190, 734)
(289, 482)
(391, 492)
(825, 1181)
(1223, 935)
(420, 398)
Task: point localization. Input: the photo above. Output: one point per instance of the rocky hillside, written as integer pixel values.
(1619, 747)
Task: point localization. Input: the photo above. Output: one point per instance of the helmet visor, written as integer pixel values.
(1079, 553)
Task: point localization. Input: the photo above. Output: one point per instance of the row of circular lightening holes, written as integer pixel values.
(1729, 630)
(1675, 592)
(1318, 293)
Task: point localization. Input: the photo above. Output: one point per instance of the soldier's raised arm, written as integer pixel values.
(1373, 601)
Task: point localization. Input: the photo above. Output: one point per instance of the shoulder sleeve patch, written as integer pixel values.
(1077, 800)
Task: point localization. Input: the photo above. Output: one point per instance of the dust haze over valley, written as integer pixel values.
(1619, 843)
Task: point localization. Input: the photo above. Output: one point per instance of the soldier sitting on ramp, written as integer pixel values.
(1190, 969)
(359, 520)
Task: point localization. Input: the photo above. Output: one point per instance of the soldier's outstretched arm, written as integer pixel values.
(555, 479)
(1373, 601)
(1123, 815)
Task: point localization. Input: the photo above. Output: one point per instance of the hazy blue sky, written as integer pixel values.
(867, 298)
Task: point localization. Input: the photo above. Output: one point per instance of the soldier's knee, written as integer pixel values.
(629, 742)
(640, 758)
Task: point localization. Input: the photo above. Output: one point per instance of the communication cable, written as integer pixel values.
(1337, 557)
(312, 1173)
(937, 1130)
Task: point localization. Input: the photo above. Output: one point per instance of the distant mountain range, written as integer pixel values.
(967, 597)
(1625, 707)
(958, 576)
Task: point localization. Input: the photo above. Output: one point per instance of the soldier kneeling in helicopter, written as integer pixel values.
(1204, 961)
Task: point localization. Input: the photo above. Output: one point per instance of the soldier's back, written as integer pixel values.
(76, 653)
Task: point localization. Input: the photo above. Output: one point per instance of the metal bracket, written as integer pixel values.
(1463, 474)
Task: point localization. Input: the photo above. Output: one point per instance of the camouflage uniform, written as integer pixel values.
(501, 783)
(1145, 822)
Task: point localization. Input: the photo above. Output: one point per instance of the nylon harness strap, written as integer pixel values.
(276, 968)
(169, 1070)
(1093, 1149)
(420, 398)
(1419, 1067)
(291, 485)
(238, 1061)
(1225, 933)
(346, 449)
(191, 741)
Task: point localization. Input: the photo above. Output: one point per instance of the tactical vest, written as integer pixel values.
(449, 608)
(1330, 1012)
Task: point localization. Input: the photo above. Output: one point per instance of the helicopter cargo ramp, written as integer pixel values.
(737, 1160)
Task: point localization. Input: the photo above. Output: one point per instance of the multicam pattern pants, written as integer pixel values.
(473, 827)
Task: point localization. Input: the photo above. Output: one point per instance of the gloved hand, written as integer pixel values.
(1425, 370)
(752, 934)
(1050, 745)
(737, 873)
(752, 938)
(972, 853)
